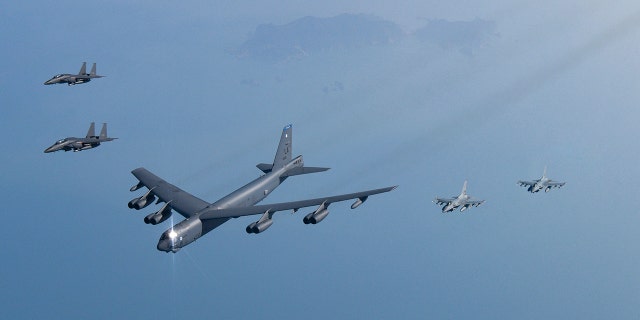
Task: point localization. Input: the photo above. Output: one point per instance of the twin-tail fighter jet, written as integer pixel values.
(79, 144)
(463, 201)
(542, 183)
(201, 217)
(73, 79)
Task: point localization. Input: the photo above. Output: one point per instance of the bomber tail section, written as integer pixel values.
(283, 159)
(283, 154)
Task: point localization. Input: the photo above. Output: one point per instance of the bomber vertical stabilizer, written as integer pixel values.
(283, 154)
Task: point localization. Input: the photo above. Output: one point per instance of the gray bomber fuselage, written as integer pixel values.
(250, 194)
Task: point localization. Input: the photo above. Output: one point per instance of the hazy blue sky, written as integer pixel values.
(553, 84)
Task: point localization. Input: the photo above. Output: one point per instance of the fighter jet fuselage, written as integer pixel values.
(79, 144)
(73, 79)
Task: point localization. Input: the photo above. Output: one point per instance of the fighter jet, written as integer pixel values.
(73, 79)
(202, 217)
(463, 201)
(79, 144)
(542, 183)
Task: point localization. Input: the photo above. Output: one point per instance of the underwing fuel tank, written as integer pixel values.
(358, 202)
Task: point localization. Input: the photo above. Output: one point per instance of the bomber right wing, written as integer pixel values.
(294, 205)
(179, 200)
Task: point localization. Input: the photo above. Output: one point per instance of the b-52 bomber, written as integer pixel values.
(73, 79)
(202, 217)
(463, 201)
(79, 144)
(542, 183)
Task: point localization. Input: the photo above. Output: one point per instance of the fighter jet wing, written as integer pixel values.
(182, 202)
(526, 183)
(442, 201)
(475, 203)
(554, 184)
(295, 205)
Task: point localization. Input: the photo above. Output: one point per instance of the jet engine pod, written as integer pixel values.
(317, 217)
(156, 217)
(159, 218)
(250, 227)
(262, 226)
(307, 218)
(141, 202)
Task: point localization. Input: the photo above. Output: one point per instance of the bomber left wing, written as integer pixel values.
(179, 200)
(268, 209)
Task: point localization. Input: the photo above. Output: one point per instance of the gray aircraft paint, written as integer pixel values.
(540, 184)
(463, 201)
(73, 79)
(202, 217)
(78, 144)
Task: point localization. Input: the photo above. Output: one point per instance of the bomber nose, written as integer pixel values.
(165, 245)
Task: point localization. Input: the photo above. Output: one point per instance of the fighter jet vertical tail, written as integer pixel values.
(283, 154)
(83, 69)
(103, 132)
(544, 173)
(93, 70)
(464, 188)
(92, 130)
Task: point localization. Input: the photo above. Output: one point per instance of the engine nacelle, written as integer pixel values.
(156, 218)
(319, 216)
(249, 228)
(257, 227)
(307, 218)
(142, 202)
